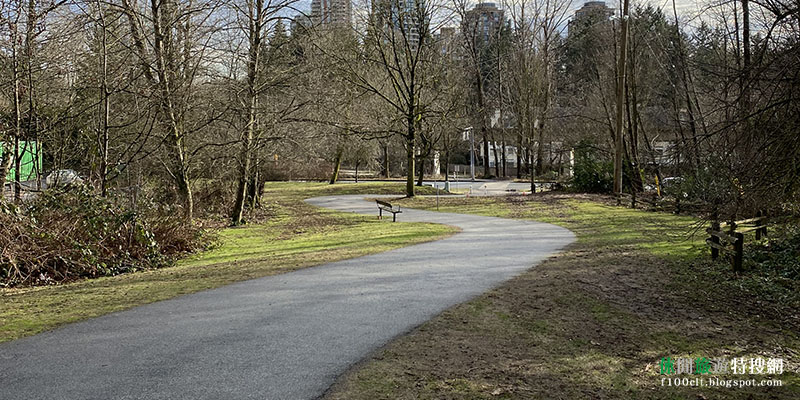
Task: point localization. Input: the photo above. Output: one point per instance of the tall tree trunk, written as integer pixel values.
(5, 164)
(519, 155)
(244, 176)
(19, 148)
(8, 151)
(482, 113)
(255, 187)
(184, 190)
(530, 165)
(621, 70)
(337, 164)
(138, 40)
(255, 21)
(447, 163)
(485, 145)
(545, 112)
(501, 120)
(386, 160)
(17, 170)
(162, 44)
(505, 157)
(105, 102)
(411, 137)
(421, 173)
(632, 110)
(539, 150)
(496, 158)
(685, 75)
(745, 76)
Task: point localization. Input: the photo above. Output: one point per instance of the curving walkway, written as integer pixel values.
(281, 337)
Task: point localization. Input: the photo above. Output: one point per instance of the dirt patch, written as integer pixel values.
(304, 218)
(591, 322)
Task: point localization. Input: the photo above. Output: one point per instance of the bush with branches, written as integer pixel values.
(68, 235)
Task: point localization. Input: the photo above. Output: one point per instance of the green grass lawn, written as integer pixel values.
(591, 322)
(295, 235)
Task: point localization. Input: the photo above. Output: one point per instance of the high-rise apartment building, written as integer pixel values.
(592, 12)
(406, 15)
(446, 40)
(595, 8)
(483, 22)
(331, 12)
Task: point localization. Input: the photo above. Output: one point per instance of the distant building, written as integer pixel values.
(300, 24)
(591, 12)
(446, 41)
(331, 13)
(597, 8)
(511, 154)
(483, 21)
(401, 15)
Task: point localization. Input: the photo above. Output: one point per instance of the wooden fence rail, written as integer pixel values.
(728, 237)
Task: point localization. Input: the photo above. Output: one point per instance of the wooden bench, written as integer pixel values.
(384, 206)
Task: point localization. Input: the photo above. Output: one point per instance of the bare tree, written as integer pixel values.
(256, 16)
(537, 26)
(171, 58)
(395, 64)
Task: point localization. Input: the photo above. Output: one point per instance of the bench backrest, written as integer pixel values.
(385, 205)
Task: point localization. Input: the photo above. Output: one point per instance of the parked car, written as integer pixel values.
(62, 178)
(672, 181)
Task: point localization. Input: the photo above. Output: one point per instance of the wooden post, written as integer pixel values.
(714, 228)
(762, 222)
(714, 239)
(738, 247)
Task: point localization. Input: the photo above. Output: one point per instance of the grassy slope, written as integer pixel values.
(591, 322)
(297, 235)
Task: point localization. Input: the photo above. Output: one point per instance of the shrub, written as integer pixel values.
(73, 234)
(778, 256)
(592, 173)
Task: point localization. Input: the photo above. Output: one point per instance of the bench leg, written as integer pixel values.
(380, 213)
(394, 217)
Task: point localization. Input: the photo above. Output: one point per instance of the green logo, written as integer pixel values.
(667, 366)
(702, 366)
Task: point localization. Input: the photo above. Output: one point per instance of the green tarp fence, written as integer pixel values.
(30, 160)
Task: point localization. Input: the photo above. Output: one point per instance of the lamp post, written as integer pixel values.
(471, 152)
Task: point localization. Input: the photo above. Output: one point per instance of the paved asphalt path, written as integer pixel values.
(281, 337)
